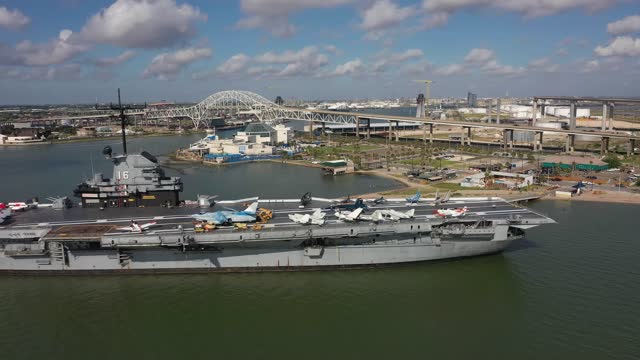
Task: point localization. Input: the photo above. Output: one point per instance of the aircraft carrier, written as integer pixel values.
(88, 240)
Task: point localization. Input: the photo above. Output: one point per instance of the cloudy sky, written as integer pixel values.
(74, 51)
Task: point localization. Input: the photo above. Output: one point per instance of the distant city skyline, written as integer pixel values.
(69, 51)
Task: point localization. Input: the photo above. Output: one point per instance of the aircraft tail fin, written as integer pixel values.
(252, 208)
(355, 213)
(411, 212)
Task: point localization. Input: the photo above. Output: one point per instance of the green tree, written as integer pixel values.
(612, 160)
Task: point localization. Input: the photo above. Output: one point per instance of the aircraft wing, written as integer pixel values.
(125, 228)
(148, 225)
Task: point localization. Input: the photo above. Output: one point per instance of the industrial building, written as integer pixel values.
(472, 100)
(586, 163)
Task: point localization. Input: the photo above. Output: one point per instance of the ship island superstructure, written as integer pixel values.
(137, 181)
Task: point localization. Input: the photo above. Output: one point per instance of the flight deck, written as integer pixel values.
(92, 223)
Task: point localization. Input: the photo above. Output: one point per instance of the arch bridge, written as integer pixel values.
(244, 102)
(266, 111)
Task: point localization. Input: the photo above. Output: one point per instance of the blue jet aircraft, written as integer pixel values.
(414, 199)
(229, 216)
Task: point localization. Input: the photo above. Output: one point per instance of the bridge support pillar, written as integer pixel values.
(605, 116)
(572, 115)
(534, 112)
(430, 133)
(368, 128)
(358, 128)
(610, 113)
(489, 105)
(632, 147)
(543, 110)
(397, 131)
(505, 138)
(571, 140)
(390, 131)
(537, 145)
(604, 145)
(463, 137)
(468, 136)
(324, 129)
(498, 103)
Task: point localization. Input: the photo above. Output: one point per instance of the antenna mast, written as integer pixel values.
(123, 117)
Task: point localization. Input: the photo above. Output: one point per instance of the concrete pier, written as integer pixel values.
(537, 143)
(534, 112)
(397, 131)
(604, 145)
(498, 103)
(572, 115)
(570, 145)
(610, 113)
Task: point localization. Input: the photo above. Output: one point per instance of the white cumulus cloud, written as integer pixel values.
(13, 19)
(348, 68)
(273, 15)
(479, 55)
(620, 46)
(450, 70)
(116, 60)
(527, 8)
(386, 60)
(167, 65)
(383, 14)
(234, 64)
(144, 24)
(56, 51)
(628, 24)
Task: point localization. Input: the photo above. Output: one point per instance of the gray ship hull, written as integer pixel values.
(243, 260)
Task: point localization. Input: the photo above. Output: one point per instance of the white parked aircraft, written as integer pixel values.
(137, 228)
(317, 218)
(396, 215)
(349, 215)
(442, 200)
(376, 216)
(451, 212)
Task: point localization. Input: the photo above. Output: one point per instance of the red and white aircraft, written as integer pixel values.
(18, 205)
(137, 228)
(457, 212)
